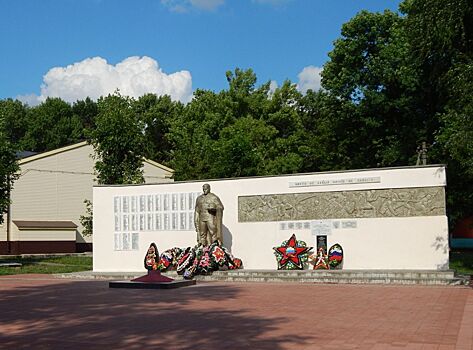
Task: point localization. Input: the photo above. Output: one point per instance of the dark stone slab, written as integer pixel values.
(151, 285)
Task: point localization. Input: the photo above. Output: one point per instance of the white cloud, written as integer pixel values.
(94, 77)
(31, 99)
(208, 5)
(309, 78)
(186, 5)
(273, 85)
(272, 2)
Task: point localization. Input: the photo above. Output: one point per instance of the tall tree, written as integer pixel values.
(241, 131)
(157, 114)
(441, 38)
(369, 68)
(118, 142)
(13, 118)
(8, 170)
(85, 111)
(328, 144)
(243, 149)
(51, 125)
(193, 134)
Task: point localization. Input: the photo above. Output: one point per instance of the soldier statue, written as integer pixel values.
(208, 217)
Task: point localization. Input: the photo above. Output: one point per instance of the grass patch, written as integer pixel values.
(49, 265)
(462, 262)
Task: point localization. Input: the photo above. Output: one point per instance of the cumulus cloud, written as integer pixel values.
(309, 78)
(185, 5)
(273, 85)
(208, 5)
(272, 2)
(94, 77)
(31, 99)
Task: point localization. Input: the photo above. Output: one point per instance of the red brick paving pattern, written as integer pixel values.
(40, 312)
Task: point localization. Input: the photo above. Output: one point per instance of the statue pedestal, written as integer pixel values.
(152, 280)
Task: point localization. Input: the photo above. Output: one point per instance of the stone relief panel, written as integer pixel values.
(399, 202)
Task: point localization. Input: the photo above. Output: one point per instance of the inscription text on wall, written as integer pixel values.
(345, 181)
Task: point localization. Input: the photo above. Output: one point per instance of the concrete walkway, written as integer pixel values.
(43, 312)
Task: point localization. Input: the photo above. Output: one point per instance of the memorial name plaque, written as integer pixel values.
(321, 227)
(349, 224)
(303, 225)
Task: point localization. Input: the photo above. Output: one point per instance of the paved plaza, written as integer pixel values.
(43, 312)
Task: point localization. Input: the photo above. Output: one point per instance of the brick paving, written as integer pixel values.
(43, 312)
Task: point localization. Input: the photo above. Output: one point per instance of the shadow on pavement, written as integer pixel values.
(89, 315)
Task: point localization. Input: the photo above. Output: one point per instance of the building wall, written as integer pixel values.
(3, 229)
(3, 236)
(390, 242)
(154, 174)
(45, 235)
(55, 187)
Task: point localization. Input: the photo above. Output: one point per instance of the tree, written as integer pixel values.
(242, 149)
(441, 38)
(157, 113)
(87, 220)
(86, 112)
(8, 170)
(328, 143)
(51, 125)
(118, 142)
(193, 134)
(241, 131)
(396, 80)
(286, 149)
(369, 69)
(13, 118)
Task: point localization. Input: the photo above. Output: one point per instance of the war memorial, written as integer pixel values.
(375, 219)
(185, 234)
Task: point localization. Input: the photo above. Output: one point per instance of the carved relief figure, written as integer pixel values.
(401, 202)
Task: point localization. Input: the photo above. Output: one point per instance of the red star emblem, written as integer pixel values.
(291, 252)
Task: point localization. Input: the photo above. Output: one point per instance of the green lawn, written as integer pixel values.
(462, 262)
(51, 265)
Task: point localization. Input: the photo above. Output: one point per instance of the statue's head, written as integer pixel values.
(206, 188)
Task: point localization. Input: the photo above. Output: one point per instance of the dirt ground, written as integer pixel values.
(43, 312)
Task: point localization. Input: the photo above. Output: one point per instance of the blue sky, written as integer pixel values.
(176, 46)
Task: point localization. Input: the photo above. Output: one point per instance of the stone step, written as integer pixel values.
(304, 276)
(449, 274)
(329, 280)
(363, 277)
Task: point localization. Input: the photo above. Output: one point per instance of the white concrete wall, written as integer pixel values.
(376, 243)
